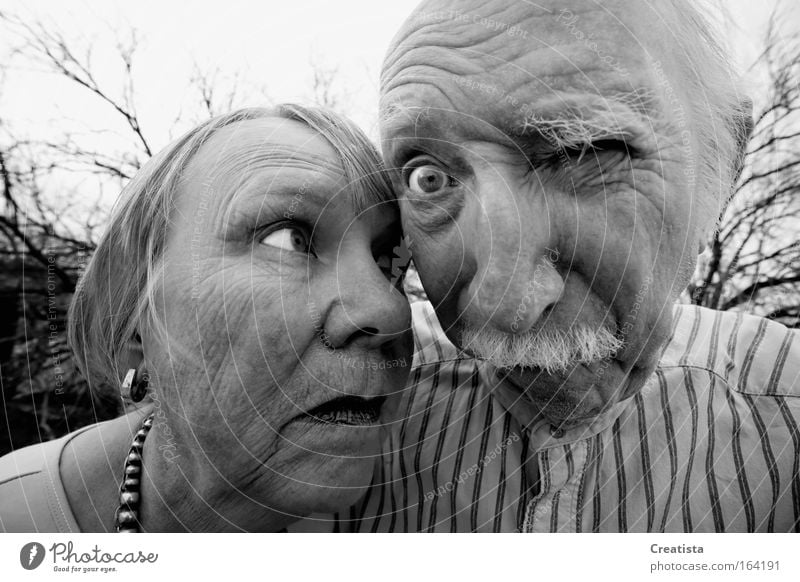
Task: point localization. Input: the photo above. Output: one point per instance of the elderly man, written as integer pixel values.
(559, 165)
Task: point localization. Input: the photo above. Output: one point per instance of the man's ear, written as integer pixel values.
(742, 127)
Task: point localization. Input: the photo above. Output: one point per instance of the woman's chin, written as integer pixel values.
(332, 486)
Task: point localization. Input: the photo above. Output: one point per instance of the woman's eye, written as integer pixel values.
(289, 238)
(429, 179)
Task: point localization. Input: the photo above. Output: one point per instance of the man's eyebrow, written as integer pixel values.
(579, 120)
(409, 126)
(564, 121)
(399, 117)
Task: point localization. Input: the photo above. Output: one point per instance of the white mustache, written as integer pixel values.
(553, 351)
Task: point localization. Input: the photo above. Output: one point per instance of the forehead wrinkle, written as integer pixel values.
(423, 122)
(263, 165)
(268, 156)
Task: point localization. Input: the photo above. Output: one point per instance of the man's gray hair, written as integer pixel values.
(720, 112)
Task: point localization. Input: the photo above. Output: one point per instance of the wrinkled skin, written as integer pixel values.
(265, 251)
(610, 238)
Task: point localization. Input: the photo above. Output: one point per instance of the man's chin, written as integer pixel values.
(568, 398)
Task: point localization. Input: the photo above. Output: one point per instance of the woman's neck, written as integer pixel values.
(91, 470)
(179, 491)
(182, 490)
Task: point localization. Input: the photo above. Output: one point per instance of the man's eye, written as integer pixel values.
(593, 149)
(288, 238)
(429, 179)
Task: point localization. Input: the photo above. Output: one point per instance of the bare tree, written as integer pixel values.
(48, 233)
(753, 258)
(325, 86)
(46, 237)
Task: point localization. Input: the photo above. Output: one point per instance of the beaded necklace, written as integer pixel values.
(126, 518)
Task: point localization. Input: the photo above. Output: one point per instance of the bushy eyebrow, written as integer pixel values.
(564, 121)
(571, 122)
(399, 117)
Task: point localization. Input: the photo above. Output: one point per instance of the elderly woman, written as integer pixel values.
(237, 295)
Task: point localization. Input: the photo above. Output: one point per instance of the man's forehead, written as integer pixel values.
(504, 56)
(523, 18)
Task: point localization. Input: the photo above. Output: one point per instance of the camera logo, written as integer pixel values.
(395, 267)
(31, 555)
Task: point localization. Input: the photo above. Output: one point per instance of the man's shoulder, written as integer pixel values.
(753, 355)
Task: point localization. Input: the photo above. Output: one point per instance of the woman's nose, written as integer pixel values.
(367, 309)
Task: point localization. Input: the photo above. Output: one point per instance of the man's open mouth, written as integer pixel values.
(348, 410)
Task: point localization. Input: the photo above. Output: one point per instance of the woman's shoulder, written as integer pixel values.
(32, 496)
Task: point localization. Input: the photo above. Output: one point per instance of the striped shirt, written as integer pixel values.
(711, 443)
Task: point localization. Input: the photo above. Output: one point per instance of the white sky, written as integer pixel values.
(270, 43)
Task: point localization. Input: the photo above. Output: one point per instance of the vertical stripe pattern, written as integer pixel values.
(710, 443)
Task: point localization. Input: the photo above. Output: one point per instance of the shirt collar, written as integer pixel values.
(542, 434)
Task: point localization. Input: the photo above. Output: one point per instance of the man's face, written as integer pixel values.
(544, 169)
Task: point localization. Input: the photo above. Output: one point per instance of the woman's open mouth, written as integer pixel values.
(348, 410)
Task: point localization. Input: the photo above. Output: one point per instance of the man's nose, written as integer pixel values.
(367, 309)
(515, 256)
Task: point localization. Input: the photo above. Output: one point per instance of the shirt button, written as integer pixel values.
(556, 431)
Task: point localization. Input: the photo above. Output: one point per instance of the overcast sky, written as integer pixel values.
(271, 44)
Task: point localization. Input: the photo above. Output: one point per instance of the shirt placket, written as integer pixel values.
(555, 508)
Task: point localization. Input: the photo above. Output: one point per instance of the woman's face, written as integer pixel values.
(286, 339)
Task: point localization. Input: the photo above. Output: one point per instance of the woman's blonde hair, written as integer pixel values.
(116, 293)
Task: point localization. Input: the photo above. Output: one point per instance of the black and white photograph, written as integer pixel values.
(449, 266)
